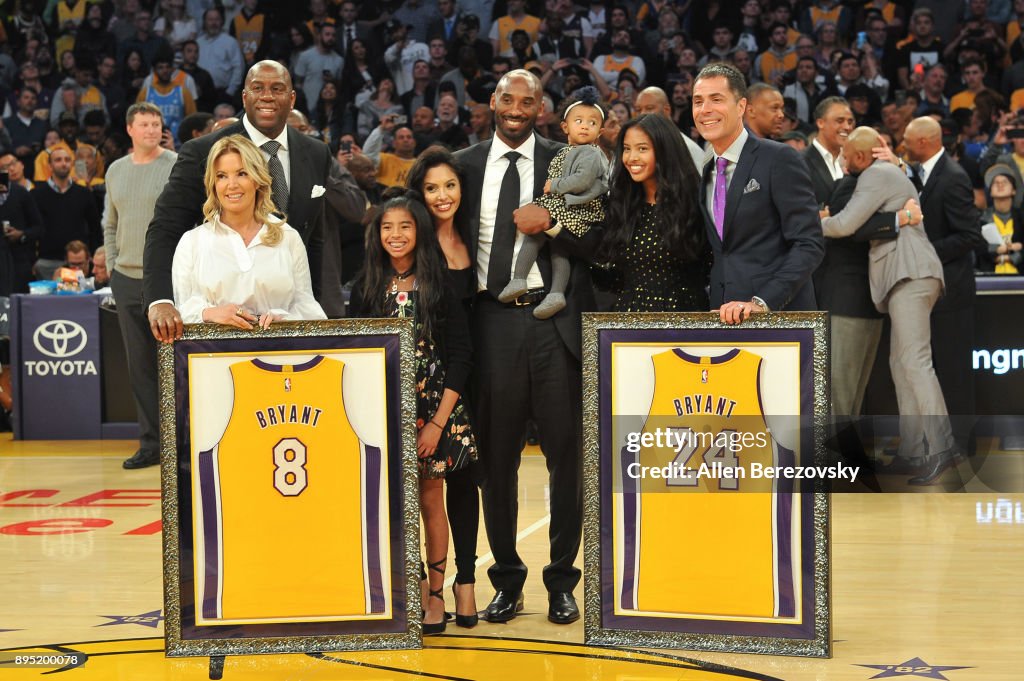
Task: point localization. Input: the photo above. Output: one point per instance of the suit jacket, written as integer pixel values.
(21, 211)
(579, 295)
(772, 235)
(953, 225)
(910, 255)
(179, 207)
(821, 178)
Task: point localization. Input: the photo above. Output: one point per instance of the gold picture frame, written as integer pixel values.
(197, 399)
(619, 351)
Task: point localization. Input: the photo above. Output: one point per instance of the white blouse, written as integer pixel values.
(213, 266)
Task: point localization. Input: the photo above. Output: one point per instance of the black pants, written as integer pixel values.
(952, 347)
(462, 500)
(524, 371)
(140, 346)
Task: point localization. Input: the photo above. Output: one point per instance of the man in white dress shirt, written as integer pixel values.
(527, 368)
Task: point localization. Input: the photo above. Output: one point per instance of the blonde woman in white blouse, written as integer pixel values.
(244, 265)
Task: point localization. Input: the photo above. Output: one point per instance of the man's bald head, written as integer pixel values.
(652, 100)
(517, 75)
(275, 67)
(922, 139)
(862, 139)
(926, 127)
(857, 150)
(363, 171)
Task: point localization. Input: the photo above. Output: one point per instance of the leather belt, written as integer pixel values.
(531, 297)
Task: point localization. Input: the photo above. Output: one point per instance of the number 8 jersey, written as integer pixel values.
(710, 541)
(290, 502)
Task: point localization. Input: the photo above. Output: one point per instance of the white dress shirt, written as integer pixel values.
(494, 172)
(733, 154)
(213, 266)
(259, 139)
(928, 166)
(831, 162)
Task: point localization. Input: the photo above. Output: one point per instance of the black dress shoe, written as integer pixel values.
(141, 460)
(504, 606)
(935, 466)
(562, 608)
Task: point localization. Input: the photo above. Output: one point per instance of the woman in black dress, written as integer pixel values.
(654, 241)
(405, 275)
(439, 178)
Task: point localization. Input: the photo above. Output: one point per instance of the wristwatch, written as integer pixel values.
(760, 303)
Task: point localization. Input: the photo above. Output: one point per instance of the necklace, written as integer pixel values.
(400, 276)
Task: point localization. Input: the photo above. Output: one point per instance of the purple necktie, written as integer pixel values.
(718, 205)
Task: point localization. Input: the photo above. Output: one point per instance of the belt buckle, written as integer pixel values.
(520, 302)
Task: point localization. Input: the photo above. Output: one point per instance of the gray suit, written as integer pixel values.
(906, 281)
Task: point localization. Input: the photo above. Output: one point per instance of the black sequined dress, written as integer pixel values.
(655, 280)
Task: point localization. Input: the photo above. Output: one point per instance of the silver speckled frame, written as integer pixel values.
(403, 631)
(602, 625)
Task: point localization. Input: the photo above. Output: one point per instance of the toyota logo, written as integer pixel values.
(60, 338)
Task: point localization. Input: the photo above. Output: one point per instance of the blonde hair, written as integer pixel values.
(256, 166)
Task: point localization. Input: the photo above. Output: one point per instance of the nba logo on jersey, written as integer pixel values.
(703, 375)
(287, 385)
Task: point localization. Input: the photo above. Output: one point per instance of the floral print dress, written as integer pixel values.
(457, 447)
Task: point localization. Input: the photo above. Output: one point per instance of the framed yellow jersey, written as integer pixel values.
(290, 488)
(700, 532)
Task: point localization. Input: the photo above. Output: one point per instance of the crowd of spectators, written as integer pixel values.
(381, 81)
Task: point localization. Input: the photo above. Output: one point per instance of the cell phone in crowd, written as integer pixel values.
(862, 40)
(1015, 133)
(346, 146)
(5, 181)
(401, 119)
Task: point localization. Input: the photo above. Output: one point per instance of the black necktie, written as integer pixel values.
(503, 241)
(279, 189)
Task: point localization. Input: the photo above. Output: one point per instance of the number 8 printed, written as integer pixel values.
(290, 474)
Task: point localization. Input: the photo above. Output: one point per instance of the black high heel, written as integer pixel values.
(439, 627)
(465, 621)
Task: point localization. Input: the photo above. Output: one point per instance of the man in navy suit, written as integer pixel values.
(268, 97)
(759, 209)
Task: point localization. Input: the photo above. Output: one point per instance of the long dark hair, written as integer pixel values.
(430, 266)
(431, 158)
(678, 213)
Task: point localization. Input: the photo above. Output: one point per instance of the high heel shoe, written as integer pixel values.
(465, 621)
(438, 627)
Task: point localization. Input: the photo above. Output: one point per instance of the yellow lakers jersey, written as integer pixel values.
(711, 539)
(289, 503)
(773, 66)
(249, 33)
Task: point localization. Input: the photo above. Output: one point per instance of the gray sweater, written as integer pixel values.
(132, 191)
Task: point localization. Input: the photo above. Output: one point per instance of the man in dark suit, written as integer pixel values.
(302, 162)
(953, 226)
(18, 244)
(759, 211)
(526, 367)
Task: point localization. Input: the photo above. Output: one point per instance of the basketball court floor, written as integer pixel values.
(924, 586)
